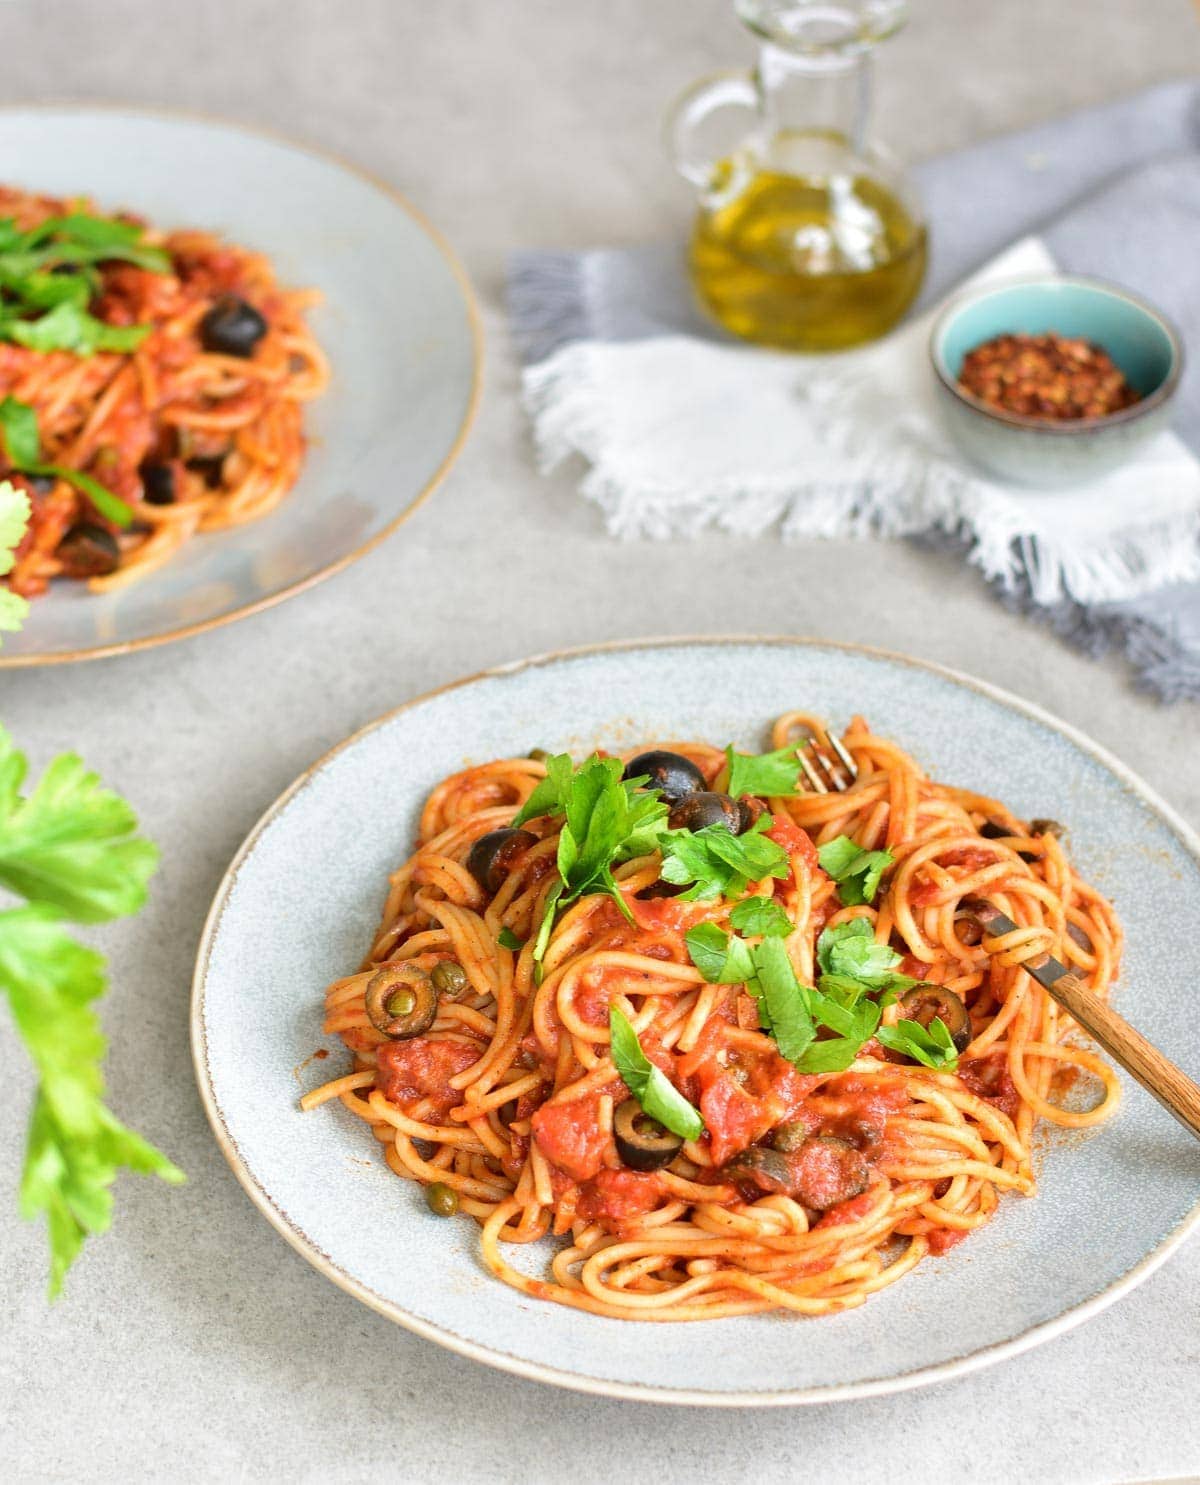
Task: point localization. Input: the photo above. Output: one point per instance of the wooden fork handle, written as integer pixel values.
(1157, 1074)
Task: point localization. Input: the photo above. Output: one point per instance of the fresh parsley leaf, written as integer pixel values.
(931, 1045)
(651, 1087)
(767, 774)
(850, 949)
(857, 872)
(69, 848)
(507, 939)
(14, 517)
(18, 423)
(606, 819)
(761, 916)
(69, 327)
(835, 1054)
(18, 426)
(718, 864)
(785, 1000)
(722, 958)
(110, 506)
(70, 843)
(82, 237)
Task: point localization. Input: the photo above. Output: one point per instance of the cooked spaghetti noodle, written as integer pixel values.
(506, 1101)
(187, 437)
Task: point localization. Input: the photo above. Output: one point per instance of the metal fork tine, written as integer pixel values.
(839, 747)
(819, 786)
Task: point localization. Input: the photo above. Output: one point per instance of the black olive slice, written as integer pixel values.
(232, 327)
(88, 551)
(158, 483)
(758, 1167)
(673, 775)
(925, 1002)
(1047, 827)
(642, 1142)
(401, 1001)
(697, 811)
(492, 856)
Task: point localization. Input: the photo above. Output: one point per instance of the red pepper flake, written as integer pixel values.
(1046, 376)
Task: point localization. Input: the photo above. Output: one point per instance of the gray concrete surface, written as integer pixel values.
(192, 1343)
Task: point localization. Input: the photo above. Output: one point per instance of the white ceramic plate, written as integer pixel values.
(1112, 1204)
(398, 323)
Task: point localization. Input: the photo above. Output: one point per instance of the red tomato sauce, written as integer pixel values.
(570, 1137)
(616, 1197)
(743, 1087)
(422, 1068)
(989, 1078)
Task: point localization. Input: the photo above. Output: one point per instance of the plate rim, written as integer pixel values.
(110, 108)
(502, 1360)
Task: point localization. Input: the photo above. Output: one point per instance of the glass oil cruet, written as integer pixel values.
(808, 237)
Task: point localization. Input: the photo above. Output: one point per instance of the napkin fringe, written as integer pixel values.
(894, 491)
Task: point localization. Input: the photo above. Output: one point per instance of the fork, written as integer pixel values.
(1160, 1077)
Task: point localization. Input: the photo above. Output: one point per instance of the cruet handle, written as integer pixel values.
(699, 138)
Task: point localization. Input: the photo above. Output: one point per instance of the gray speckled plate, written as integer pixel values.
(398, 323)
(301, 901)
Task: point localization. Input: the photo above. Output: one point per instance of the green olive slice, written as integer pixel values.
(642, 1142)
(401, 1001)
(925, 1002)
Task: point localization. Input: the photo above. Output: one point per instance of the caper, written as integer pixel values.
(442, 1200)
(537, 755)
(449, 977)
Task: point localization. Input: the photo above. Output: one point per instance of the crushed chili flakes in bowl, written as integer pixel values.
(1046, 376)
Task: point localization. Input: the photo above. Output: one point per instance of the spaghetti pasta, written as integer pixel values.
(188, 436)
(806, 1191)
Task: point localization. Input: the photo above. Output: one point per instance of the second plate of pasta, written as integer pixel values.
(228, 367)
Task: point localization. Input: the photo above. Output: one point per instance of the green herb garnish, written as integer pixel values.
(14, 517)
(850, 950)
(764, 774)
(857, 872)
(606, 820)
(19, 429)
(651, 1087)
(507, 939)
(718, 864)
(47, 310)
(847, 1000)
(69, 849)
(931, 1045)
(720, 957)
(761, 916)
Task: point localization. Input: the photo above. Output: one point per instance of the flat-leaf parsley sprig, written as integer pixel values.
(606, 820)
(651, 1087)
(14, 518)
(69, 848)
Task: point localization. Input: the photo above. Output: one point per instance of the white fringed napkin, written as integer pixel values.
(683, 433)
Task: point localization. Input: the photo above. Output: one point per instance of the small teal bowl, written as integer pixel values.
(1039, 451)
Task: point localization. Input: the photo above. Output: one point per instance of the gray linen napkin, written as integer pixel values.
(1113, 191)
